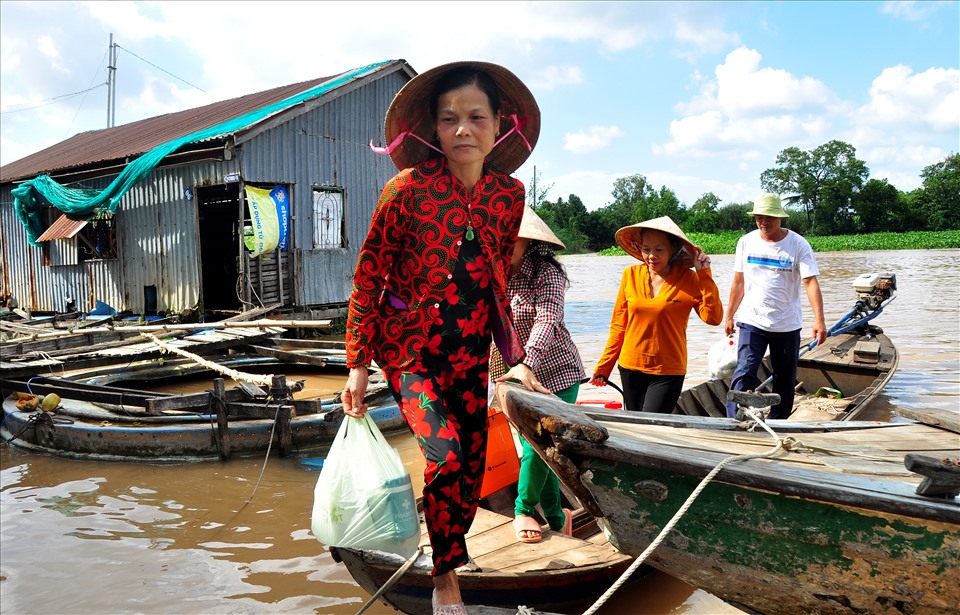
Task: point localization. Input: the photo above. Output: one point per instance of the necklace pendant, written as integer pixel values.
(469, 233)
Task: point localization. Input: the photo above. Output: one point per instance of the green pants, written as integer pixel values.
(538, 484)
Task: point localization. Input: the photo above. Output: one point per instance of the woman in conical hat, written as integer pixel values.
(537, 287)
(648, 328)
(430, 284)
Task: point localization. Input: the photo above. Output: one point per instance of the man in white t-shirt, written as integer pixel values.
(770, 266)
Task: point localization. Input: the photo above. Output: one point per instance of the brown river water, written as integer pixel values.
(95, 538)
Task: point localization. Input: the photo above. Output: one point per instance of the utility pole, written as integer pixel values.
(534, 185)
(112, 84)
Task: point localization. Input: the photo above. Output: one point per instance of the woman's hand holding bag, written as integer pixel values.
(364, 498)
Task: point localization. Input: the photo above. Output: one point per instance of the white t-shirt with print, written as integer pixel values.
(772, 278)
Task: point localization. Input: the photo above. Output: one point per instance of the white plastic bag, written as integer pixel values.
(722, 357)
(364, 498)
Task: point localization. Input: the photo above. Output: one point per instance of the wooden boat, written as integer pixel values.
(558, 573)
(564, 573)
(553, 574)
(856, 517)
(836, 380)
(113, 413)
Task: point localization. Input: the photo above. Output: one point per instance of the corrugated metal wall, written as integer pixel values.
(157, 224)
(156, 246)
(329, 145)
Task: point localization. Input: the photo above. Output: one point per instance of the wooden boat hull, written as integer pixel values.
(553, 574)
(858, 364)
(171, 439)
(837, 529)
(100, 419)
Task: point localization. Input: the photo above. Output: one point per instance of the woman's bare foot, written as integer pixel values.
(446, 595)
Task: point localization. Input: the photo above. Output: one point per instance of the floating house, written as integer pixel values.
(262, 200)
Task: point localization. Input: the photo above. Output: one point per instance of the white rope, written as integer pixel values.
(686, 505)
(226, 371)
(393, 579)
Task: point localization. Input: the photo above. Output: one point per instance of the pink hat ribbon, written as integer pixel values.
(517, 125)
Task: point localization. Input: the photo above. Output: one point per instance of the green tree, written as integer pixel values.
(566, 219)
(826, 176)
(702, 217)
(735, 217)
(940, 195)
(878, 208)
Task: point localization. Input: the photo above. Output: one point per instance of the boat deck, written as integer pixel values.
(877, 451)
(494, 547)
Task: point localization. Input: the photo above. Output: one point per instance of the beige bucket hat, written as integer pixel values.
(768, 204)
(629, 239)
(533, 227)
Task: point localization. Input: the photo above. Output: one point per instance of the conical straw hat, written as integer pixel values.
(629, 239)
(533, 227)
(410, 112)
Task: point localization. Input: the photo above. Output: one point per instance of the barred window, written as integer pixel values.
(329, 228)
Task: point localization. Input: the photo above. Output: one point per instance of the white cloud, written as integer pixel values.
(749, 108)
(48, 49)
(907, 113)
(910, 10)
(554, 76)
(704, 38)
(128, 23)
(898, 97)
(9, 58)
(591, 140)
(745, 89)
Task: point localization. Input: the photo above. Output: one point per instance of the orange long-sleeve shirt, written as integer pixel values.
(649, 334)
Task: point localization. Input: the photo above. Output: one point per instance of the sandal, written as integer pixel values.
(527, 528)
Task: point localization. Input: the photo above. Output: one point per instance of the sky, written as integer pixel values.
(695, 96)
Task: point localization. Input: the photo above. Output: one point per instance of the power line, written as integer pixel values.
(51, 101)
(160, 69)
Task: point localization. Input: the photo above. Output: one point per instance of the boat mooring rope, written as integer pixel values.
(782, 443)
(238, 376)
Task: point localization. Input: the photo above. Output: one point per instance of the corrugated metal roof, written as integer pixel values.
(65, 227)
(136, 138)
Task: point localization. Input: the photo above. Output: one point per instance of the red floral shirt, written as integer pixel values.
(407, 261)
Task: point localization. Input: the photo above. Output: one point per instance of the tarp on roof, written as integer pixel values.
(81, 203)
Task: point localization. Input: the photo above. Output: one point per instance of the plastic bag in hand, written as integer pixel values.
(364, 498)
(722, 357)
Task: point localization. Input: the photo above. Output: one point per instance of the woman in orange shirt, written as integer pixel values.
(648, 328)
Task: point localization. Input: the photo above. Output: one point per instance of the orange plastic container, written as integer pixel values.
(503, 463)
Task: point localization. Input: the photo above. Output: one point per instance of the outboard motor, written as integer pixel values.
(873, 289)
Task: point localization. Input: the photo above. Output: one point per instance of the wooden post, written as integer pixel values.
(280, 393)
(222, 435)
(284, 431)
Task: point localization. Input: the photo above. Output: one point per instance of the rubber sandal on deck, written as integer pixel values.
(529, 525)
(568, 522)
